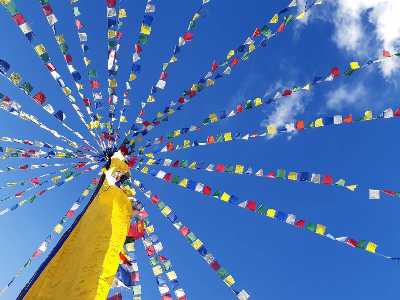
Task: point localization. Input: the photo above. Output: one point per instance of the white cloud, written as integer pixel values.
(345, 96)
(285, 111)
(351, 19)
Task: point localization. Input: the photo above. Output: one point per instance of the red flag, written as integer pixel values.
(251, 205)
(138, 48)
(386, 53)
(286, 93)
(155, 199)
(214, 66)
(215, 265)
(348, 119)
(256, 32)
(19, 19)
(188, 36)
(335, 71)
(184, 230)
(94, 84)
(220, 168)
(299, 125)
(206, 190)
(299, 223)
(40, 97)
(35, 180)
(327, 179)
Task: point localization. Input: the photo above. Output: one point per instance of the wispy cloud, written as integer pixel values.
(346, 96)
(383, 30)
(285, 110)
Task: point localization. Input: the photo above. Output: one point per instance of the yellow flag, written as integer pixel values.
(132, 76)
(213, 118)
(58, 228)
(150, 98)
(186, 143)
(40, 49)
(351, 187)
(157, 270)
(258, 102)
(227, 136)
(60, 39)
(319, 122)
(123, 119)
(184, 182)
(146, 30)
(320, 229)
(292, 176)
(150, 229)
(239, 169)
(177, 132)
(122, 13)
(171, 275)
(229, 280)
(368, 115)
(197, 244)
(301, 15)
(166, 211)
(354, 65)
(145, 170)
(111, 34)
(271, 129)
(85, 192)
(225, 197)
(252, 47)
(271, 213)
(274, 19)
(230, 54)
(371, 247)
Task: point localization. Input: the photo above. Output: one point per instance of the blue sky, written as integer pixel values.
(267, 258)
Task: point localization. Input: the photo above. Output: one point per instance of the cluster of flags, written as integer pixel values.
(57, 181)
(279, 94)
(260, 208)
(272, 130)
(240, 169)
(142, 39)
(183, 40)
(42, 53)
(257, 39)
(196, 243)
(94, 82)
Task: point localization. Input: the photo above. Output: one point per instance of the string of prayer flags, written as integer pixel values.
(240, 169)
(160, 264)
(36, 143)
(40, 98)
(14, 108)
(183, 40)
(64, 49)
(272, 129)
(114, 37)
(142, 39)
(59, 183)
(257, 39)
(192, 238)
(41, 52)
(257, 102)
(94, 81)
(260, 208)
(28, 167)
(57, 230)
(38, 180)
(32, 153)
